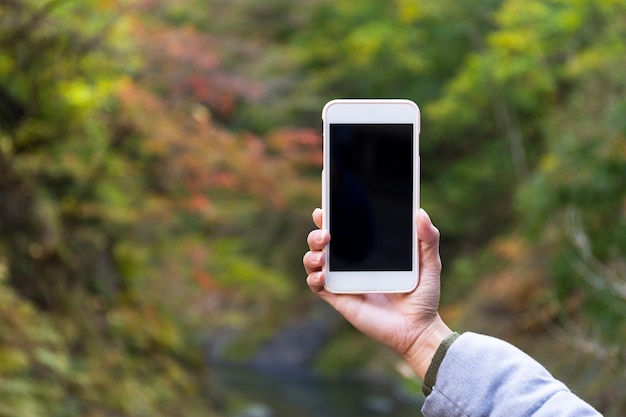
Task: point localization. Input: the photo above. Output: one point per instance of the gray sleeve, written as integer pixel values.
(485, 376)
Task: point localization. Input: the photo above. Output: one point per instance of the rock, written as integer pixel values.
(381, 405)
(295, 346)
(256, 410)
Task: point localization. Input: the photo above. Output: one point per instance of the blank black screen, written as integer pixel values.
(371, 197)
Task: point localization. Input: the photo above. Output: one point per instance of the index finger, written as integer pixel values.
(317, 217)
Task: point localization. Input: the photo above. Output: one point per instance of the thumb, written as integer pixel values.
(428, 240)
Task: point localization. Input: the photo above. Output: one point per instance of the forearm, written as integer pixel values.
(421, 353)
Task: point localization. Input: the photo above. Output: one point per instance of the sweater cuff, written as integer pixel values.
(431, 374)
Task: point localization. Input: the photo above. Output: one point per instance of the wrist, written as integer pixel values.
(420, 355)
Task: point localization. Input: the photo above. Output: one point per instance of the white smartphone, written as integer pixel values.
(370, 195)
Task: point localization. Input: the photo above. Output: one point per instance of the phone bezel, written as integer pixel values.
(368, 111)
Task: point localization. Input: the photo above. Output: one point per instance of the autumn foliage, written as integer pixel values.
(159, 162)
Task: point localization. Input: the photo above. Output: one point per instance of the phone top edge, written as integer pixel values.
(369, 101)
(372, 111)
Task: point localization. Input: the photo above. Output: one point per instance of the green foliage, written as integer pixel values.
(234, 271)
(575, 200)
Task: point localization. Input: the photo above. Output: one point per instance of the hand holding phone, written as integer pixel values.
(409, 324)
(371, 195)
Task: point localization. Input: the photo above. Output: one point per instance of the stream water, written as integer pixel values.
(248, 393)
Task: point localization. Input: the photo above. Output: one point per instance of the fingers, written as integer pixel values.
(317, 217)
(315, 281)
(318, 239)
(313, 261)
(428, 235)
(313, 264)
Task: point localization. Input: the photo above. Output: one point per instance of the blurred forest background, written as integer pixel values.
(159, 162)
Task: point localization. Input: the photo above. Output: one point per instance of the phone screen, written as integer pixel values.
(371, 197)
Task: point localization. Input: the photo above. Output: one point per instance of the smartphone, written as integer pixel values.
(370, 195)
